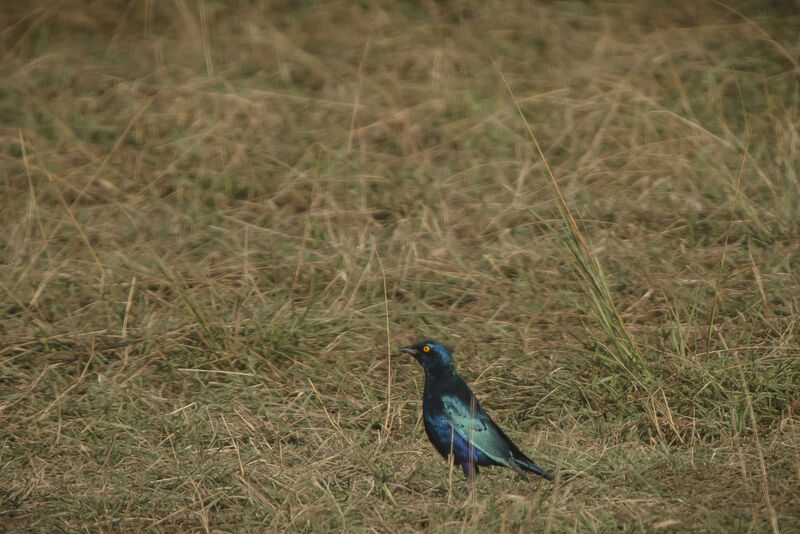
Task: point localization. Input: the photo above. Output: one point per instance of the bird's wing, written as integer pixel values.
(475, 426)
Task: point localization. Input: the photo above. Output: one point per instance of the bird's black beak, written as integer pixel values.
(409, 350)
(412, 351)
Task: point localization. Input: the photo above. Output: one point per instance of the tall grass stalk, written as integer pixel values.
(620, 346)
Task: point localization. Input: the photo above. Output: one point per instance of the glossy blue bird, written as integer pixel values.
(456, 423)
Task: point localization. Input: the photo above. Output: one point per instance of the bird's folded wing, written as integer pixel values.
(472, 424)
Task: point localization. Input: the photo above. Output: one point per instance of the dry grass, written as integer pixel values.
(208, 209)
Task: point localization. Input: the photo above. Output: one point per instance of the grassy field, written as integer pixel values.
(220, 220)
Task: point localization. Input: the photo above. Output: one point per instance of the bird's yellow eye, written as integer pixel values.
(426, 348)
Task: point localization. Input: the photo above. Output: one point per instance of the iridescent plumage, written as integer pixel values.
(456, 423)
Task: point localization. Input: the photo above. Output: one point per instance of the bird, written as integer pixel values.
(455, 422)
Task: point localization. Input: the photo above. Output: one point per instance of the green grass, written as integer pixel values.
(209, 207)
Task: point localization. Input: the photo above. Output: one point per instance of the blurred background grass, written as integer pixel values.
(202, 201)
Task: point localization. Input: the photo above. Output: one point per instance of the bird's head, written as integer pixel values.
(430, 355)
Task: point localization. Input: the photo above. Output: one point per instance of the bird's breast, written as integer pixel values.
(431, 398)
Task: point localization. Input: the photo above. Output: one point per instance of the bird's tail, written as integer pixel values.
(518, 464)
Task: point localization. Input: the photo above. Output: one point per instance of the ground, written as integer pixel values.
(220, 220)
